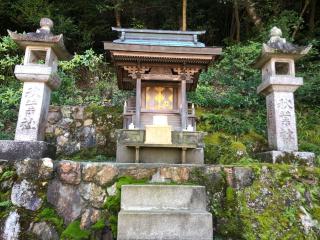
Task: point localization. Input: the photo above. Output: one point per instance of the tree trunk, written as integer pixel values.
(251, 10)
(312, 15)
(232, 25)
(118, 17)
(237, 19)
(184, 15)
(296, 27)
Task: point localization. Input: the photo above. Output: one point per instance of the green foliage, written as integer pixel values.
(231, 82)
(99, 225)
(74, 232)
(5, 204)
(7, 175)
(86, 79)
(10, 88)
(48, 214)
(220, 148)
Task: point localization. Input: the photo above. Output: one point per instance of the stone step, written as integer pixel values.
(165, 225)
(153, 197)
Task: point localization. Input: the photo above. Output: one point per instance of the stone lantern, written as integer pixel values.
(39, 76)
(277, 62)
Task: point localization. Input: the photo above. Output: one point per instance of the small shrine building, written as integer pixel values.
(161, 67)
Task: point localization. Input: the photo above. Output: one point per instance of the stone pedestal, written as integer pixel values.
(19, 150)
(171, 212)
(283, 157)
(131, 144)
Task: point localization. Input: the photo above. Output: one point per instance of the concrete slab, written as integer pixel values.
(168, 225)
(151, 197)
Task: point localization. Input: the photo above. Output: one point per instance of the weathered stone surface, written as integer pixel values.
(46, 168)
(62, 140)
(35, 168)
(164, 212)
(89, 217)
(93, 193)
(24, 194)
(169, 225)
(306, 220)
(12, 227)
(101, 174)
(78, 113)
(282, 132)
(44, 231)
(66, 199)
(280, 156)
(157, 178)
(69, 172)
(66, 111)
(18, 150)
(54, 116)
(87, 122)
(33, 110)
(87, 137)
(242, 177)
(112, 190)
(138, 173)
(161, 197)
(176, 174)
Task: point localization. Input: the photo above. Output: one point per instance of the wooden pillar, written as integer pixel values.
(138, 102)
(137, 158)
(183, 155)
(183, 105)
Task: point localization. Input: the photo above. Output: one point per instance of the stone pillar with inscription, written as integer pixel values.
(279, 82)
(39, 76)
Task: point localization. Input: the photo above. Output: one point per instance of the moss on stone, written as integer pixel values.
(9, 174)
(268, 209)
(49, 215)
(74, 232)
(99, 225)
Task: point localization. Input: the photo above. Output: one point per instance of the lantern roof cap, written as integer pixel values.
(42, 37)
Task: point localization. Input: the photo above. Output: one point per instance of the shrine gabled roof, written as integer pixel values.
(154, 48)
(159, 37)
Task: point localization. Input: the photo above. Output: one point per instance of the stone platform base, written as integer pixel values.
(183, 147)
(170, 212)
(19, 150)
(280, 156)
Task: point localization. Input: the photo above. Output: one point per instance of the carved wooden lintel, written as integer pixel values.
(187, 70)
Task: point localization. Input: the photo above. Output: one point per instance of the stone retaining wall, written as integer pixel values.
(78, 129)
(44, 198)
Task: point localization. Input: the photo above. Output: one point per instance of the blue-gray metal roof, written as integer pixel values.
(159, 37)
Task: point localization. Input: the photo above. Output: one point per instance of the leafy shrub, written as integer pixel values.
(231, 82)
(222, 149)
